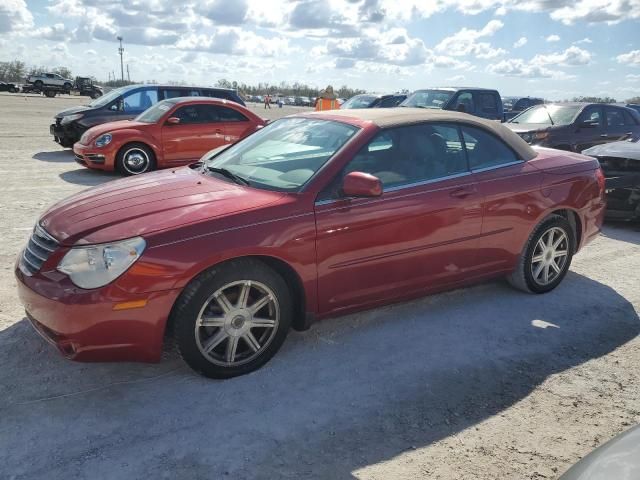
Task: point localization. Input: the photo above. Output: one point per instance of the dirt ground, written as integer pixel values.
(480, 383)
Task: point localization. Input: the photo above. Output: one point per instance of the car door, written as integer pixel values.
(236, 125)
(198, 131)
(421, 233)
(486, 105)
(617, 126)
(510, 192)
(590, 129)
(463, 102)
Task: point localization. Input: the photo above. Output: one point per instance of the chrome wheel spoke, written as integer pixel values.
(557, 243)
(537, 258)
(223, 301)
(214, 341)
(536, 273)
(559, 253)
(545, 274)
(259, 304)
(262, 322)
(540, 246)
(232, 347)
(251, 341)
(555, 266)
(207, 321)
(550, 237)
(243, 296)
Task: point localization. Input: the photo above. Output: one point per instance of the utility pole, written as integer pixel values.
(128, 74)
(121, 51)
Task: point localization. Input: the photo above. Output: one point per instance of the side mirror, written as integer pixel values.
(173, 120)
(359, 184)
(461, 108)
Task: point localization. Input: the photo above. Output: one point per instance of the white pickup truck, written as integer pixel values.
(50, 80)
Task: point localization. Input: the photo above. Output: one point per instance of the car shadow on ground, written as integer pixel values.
(349, 393)
(623, 231)
(90, 178)
(56, 156)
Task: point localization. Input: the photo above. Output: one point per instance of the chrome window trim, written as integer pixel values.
(401, 187)
(495, 167)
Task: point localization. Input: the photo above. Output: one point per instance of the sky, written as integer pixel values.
(551, 48)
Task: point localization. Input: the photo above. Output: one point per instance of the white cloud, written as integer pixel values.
(464, 42)
(522, 41)
(584, 40)
(632, 78)
(570, 57)
(553, 38)
(516, 67)
(14, 16)
(630, 58)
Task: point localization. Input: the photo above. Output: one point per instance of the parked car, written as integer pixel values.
(514, 105)
(480, 102)
(50, 79)
(315, 215)
(575, 126)
(9, 87)
(302, 102)
(618, 459)
(620, 162)
(123, 104)
(374, 101)
(172, 133)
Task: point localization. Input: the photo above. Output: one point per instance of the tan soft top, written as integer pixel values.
(395, 117)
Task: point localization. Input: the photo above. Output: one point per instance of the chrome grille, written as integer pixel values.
(37, 251)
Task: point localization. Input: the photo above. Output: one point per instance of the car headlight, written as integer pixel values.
(527, 137)
(102, 140)
(70, 118)
(96, 265)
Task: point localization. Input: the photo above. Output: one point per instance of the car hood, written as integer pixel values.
(72, 110)
(152, 202)
(615, 149)
(114, 126)
(617, 459)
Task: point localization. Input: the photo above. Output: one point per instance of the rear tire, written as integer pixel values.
(135, 159)
(38, 84)
(546, 257)
(50, 93)
(248, 310)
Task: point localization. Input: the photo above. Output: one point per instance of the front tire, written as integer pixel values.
(232, 319)
(135, 159)
(546, 257)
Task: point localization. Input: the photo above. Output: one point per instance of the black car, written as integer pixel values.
(9, 87)
(374, 101)
(123, 104)
(515, 105)
(620, 162)
(481, 102)
(575, 126)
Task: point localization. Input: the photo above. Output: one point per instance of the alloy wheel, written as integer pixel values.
(136, 161)
(237, 323)
(549, 256)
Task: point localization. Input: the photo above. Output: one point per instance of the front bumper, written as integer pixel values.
(65, 135)
(83, 324)
(92, 157)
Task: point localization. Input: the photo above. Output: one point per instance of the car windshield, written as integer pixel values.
(428, 99)
(154, 113)
(284, 155)
(109, 97)
(359, 101)
(548, 115)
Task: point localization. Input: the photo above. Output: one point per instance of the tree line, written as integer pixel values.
(16, 71)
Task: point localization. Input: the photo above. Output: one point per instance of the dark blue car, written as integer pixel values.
(481, 102)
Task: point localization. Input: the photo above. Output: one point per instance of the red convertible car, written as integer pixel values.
(171, 133)
(314, 215)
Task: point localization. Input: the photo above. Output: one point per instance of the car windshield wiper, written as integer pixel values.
(230, 175)
(549, 115)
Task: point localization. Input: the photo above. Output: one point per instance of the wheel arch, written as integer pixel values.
(129, 140)
(574, 220)
(301, 319)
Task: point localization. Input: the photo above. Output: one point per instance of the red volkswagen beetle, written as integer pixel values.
(172, 133)
(315, 215)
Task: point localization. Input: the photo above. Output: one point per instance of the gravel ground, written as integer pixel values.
(479, 383)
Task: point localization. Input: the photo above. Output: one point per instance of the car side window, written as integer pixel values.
(485, 150)
(487, 103)
(464, 103)
(227, 114)
(628, 119)
(413, 154)
(614, 117)
(139, 100)
(175, 93)
(190, 114)
(591, 115)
